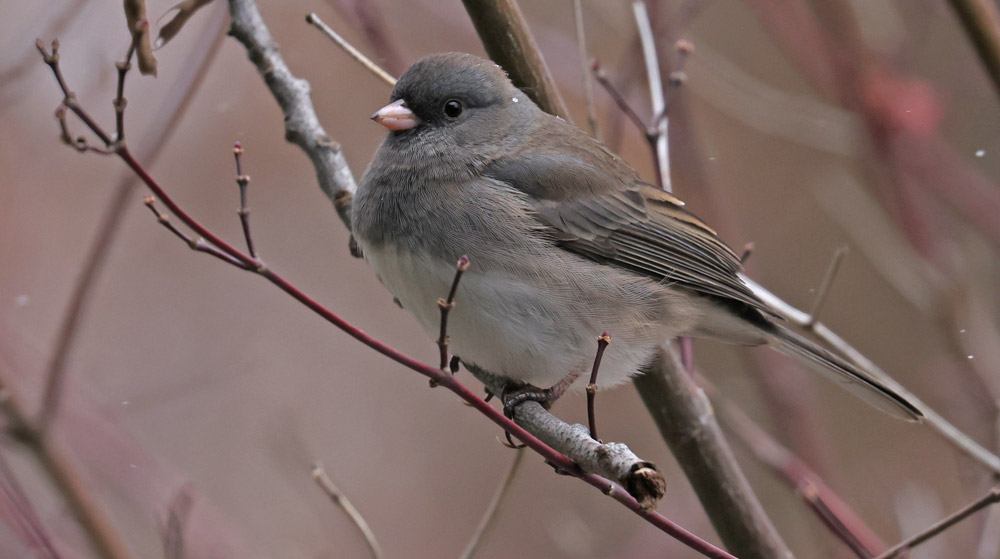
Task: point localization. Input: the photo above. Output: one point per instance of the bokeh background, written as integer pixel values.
(205, 393)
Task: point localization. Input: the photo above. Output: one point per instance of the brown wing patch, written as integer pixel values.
(648, 231)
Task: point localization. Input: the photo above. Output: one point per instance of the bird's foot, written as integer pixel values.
(516, 393)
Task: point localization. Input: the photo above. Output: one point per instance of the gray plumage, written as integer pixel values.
(566, 241)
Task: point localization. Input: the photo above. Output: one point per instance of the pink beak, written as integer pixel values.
(396, 116)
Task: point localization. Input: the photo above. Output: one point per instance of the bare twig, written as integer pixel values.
(602, 343)
(588, 86)
(990, 498)
(120, 102)
(602, 78)
(198, 244)
(161, 129)
(242, 181)
(659, 125)
(354, 53)
(490, 516)
(302, 126)
(824, 288)
(366, 17)
(445, 305)
(340, 500)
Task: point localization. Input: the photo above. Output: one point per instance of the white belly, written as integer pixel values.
(536, 333)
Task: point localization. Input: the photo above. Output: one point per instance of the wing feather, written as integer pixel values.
(626, 223)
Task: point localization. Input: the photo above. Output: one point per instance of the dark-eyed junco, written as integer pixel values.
(566, 241)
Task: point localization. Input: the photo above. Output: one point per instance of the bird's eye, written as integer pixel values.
(452, 108)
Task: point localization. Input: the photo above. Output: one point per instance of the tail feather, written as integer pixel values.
(857, 382)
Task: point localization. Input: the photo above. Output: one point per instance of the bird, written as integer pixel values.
(565, 241)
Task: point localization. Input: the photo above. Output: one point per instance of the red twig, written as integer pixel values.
(242, 180)
(602, 343)
(446, 304)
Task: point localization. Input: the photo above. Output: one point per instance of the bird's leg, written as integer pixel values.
(516, 393)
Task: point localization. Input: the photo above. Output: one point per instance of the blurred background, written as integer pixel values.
(199, 396)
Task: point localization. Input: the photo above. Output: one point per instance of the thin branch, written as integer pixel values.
(340, 500)
(199, 244)
(602, 343)
(990, 498)
(490, 516)
(824, 288)
(51, 59)
(588, 86)
(445, 305)
(242, 181)
(366, 17)
(659, 126)
(120, 102)
(161, 129)
(602, 78)
(302, 126)
(354, 53)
